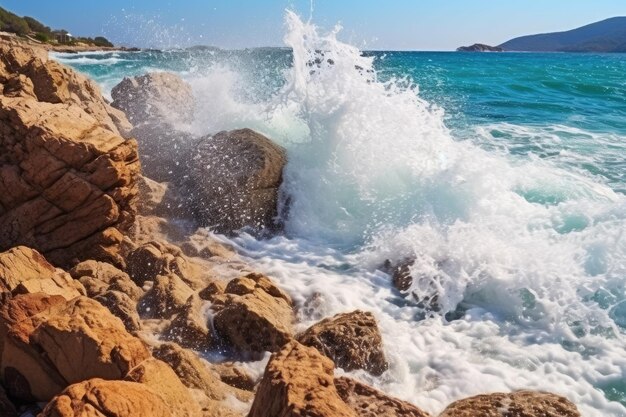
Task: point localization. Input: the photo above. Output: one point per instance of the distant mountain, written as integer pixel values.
(606, 36)
(479, 47)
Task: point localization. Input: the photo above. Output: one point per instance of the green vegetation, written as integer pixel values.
(28, 26)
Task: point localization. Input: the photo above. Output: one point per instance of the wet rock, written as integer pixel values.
(48, 343)
(7, 408)
(26, 271)
(67, 176)
(298, 381)
(163, 380)
(369, 402)
(100, 277)
(351, 340)
(234, 181)
(518, 404)
(213, 289)
(189, 328)
(97, 397)
(233, 375)
(167, 297)
(122, 307)
(254, 315)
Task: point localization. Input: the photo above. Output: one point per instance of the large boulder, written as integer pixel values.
(67, 176)
(253, 315)
(351, 340)
(26, 271)
(298, 382)
(48, 343)
(369, 402)
(518, 404)
(167, 297)
(98, 398)
(234, 181)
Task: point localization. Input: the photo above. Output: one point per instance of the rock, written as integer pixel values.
(189, 328)
(254, 315)
(479, 47)
(67, 176)
(167, 297)
(122, 307)
(234, 181)
(26, 271)
(518, 404)
(48, 343)
(196, 373)
(213, 289)
(234, 376)
(156, 258)
(369, 402)
(163, 380)
(351, 340)
(7, 408)
(154, 98)
(298, 381)
(97, 398)
(100, 277)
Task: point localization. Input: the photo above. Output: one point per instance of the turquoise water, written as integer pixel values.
(502, 175)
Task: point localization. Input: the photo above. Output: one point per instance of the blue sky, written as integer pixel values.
(390, 24)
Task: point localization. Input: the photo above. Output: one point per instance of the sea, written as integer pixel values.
(502, 175)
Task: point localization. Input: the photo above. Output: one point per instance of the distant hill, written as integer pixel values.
(479, 47)
(606, 36)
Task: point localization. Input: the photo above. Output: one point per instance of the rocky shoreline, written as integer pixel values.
(112, 291)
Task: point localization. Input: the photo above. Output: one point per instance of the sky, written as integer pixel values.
(369, 24)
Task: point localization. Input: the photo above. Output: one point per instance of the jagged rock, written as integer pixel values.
(122, 307)
(351, 340)
(189, 328)
(167, 297)
(26, 271)
(213, 289)
(196, 373)
(254, 315)
(100, 277)
(67, 177)
(369, 402)
(234, 376)
(98, 398)
(518, 404)
(163, 380)
(298, 382)
(48, 343)
(155, 258)
(234, 181)
(154, 98)
(7, 408)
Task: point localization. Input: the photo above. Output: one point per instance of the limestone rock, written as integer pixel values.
(99, 398)
(234, 181)
(254, 315)
(351, 340)
(167, 297)
(67, 177)
(298, 381)
(122, 307)
(190, 328)
(163, 380)
(518, 404)
(25, 271)
(48, 343)
(369, 402)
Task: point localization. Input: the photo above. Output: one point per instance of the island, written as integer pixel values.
(479, 47)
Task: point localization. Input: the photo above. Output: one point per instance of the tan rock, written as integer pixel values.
(163, 380)
(234, 180)
(190, 328)
(351, 340)
(167, 297)
(122, 307)
(369, 402)
(518, 404)
(26, 271)
(100, 277)
(254, 315)
(234, 376)
(49, 343)
(298, 381)
(100, 398)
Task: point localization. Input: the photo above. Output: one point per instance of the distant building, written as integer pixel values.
(62, 36)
